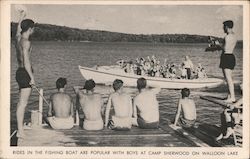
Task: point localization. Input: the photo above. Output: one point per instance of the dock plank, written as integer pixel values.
(45, 136)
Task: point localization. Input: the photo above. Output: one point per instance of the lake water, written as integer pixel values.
(52, 60)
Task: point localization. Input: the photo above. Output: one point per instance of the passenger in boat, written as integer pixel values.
(92, 105)
(24, 73)
(172, 71)
(227, 59)
(188, 65)
(122, 104)
(183, 72)
(200, 72)
(60, 113)
(146, 104)
(188, 109)
(230, 117)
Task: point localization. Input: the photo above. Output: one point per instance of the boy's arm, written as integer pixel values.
(27, 63)
(134, 109)
(18, 31)
(72, 109)
(107, 111)
(130, 107)
(177, 113)
(50, 108)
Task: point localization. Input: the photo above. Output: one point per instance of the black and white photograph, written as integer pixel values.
(129, 75)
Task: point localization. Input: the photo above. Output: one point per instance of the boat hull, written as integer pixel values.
(107, 77)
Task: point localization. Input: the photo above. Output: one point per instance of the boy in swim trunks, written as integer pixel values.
(187, 106)
(227, 59)
(122, 104)
(147, 105)
(24, 73)
(60, 113)
(91, 104)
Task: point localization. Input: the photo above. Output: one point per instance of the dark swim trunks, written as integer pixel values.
(22, 78)
(227, 61)
(143, 125)
(186, 123)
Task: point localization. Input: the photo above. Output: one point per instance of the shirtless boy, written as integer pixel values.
(91, 104)
(147, 105)
(227, 59)
(122, 104)
(60, 113)
(187, 106)
(24, 73)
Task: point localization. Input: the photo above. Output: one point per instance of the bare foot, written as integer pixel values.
(228, 134)
(230, 100)
(219, 137)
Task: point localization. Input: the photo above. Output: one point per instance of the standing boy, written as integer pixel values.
(227, 59)
(24, 73)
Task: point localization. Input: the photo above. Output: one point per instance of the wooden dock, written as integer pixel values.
(162, 137)
(203, 135)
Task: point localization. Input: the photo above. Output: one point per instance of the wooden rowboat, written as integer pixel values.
(106, 75)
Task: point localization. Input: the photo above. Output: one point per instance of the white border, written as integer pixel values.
(7, 151)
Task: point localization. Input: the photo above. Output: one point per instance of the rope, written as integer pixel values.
(13, 133)
(34, 86)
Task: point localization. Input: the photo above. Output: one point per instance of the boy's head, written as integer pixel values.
(27, 24)
(89, 84)
(227, 25)
(141, 83)
(185, 92)
(117, 84)
(61, 82)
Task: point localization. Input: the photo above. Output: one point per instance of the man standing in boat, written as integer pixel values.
(147, 105)
(24, 73)
(122, 104)
(60, 113)
(91, 104)
(188, 65)
(227, 59)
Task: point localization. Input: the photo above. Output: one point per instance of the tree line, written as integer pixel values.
(47, 32)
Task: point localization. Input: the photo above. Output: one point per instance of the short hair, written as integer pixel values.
(141, 83)
(117, 84)
(61, 82)
(185, 92)
(26, 24)
(89, 84)
(228, 23)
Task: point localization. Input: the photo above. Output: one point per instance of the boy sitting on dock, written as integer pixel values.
(60, 113)
(187, 106)
(147, 105)
(91, 104)
(122, 104)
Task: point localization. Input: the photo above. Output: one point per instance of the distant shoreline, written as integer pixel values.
(48, 32)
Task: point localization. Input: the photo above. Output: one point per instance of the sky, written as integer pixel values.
(138, 19)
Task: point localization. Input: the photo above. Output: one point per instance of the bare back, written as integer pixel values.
(91, 105)
(122, 104)
(188, 108)
(147, 105)
(61, 104)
